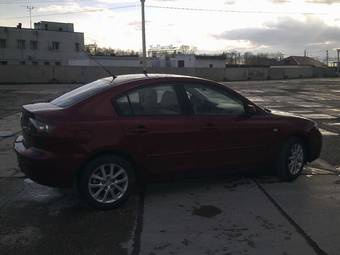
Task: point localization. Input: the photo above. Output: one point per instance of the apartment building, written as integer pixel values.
(48, 43)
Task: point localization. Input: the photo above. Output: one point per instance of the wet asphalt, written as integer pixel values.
(254, 214)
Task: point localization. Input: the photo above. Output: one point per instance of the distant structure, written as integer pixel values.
(197, 61)
(299, 61)
(49, 43)
(167, 61)
(112, 61)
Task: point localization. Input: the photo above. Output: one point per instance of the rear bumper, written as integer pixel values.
(45, 167)
(314, 145)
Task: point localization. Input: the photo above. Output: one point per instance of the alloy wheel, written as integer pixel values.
(295, 159)
(108, 183)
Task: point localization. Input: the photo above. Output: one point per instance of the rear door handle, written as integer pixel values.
(140, 129)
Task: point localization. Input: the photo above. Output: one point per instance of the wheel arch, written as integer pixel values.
(304, 138)
(111, 151)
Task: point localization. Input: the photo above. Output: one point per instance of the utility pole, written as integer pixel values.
(305, 53)
(327, 58)
(143, 36)
(30, 8)
(338, 62)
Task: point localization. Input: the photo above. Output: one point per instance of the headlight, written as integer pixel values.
(40, 126)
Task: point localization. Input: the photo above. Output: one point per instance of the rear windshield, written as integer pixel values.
(81, 93)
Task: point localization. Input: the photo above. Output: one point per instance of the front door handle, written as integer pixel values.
(209, 127)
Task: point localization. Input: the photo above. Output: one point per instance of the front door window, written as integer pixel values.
(208, 101)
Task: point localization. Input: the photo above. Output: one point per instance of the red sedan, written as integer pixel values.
(106, 135)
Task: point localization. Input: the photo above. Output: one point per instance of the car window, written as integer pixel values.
(209, 101)
(79, 94)
(155, 100)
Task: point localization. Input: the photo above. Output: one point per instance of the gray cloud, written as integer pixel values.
(308, 1)
(280, 1)
(137, 25)
(323, 1)
(289, 35)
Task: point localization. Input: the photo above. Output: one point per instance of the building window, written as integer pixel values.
(21, 44)
(55, 45)
(2, 43)
(57, 63)
(35, 63)
(180, 63)
(3, 62)
(77, 47)
(46, 63)
(34, 45)
(22, 62)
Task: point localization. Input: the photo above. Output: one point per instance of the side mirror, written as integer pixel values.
(251, 109)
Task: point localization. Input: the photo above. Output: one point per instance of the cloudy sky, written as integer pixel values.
(288, 26)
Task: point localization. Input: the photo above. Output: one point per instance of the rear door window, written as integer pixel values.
(151, 101)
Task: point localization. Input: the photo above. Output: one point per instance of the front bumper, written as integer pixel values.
(45, 167)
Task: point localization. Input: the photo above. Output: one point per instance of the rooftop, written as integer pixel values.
(300, 61)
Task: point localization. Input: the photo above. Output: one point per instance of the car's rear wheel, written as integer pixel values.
(106, 182)
(291, 160)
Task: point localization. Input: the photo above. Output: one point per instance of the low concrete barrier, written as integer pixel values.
(83, 74)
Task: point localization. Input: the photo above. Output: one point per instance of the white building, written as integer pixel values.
(49, 43)
(197, 61)
(174, 61)
(206, 61)
(183, 60)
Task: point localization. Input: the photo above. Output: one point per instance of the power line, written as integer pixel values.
(55, 1)
(73, 12)
(165, 7)
(41, 2)
(229, 11)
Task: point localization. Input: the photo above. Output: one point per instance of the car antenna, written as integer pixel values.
(103, 67)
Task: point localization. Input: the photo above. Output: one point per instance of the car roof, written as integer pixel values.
(122, 79)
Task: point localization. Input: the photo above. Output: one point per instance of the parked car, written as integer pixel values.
(105, 136)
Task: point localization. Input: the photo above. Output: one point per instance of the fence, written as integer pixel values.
(81, 74)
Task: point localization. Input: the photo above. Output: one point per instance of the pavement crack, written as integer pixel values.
(313, 244)
(139, 223)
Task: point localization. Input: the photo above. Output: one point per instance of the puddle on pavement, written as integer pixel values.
(207, 211)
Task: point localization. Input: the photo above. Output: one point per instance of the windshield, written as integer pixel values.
(81, 93)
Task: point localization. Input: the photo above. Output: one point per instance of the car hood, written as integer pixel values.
(39, 107)
(287, 114)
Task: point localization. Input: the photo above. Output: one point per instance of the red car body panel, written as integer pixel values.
(157, 145)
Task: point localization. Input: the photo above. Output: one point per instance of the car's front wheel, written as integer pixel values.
(106, 182)
(291, 160)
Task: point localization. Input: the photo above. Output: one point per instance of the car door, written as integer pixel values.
(228, 135)
(156, 128)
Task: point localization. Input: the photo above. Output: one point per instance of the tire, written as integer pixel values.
(106, 182)
(291, 160)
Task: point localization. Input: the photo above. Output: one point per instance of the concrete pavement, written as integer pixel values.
(216, 215)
